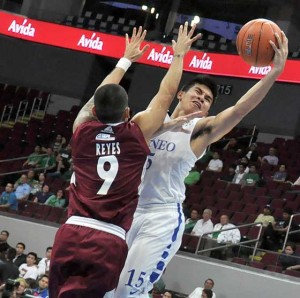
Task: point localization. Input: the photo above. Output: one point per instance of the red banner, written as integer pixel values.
(113, 46)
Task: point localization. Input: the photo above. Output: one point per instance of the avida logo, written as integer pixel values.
(203, 63)
(260, 70)
(91, 43)
(24, 29)
(164, 57)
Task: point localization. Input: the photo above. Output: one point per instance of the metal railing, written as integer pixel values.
(289, 228)
(226, 245)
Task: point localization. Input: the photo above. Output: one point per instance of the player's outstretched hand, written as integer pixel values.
(176, 124)
(184, 40)
(133, 49)
(281, 52)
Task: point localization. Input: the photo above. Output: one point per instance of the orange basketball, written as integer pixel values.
(253, 42)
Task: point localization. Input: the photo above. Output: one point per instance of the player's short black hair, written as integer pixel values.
(203, 80)
(110, 102)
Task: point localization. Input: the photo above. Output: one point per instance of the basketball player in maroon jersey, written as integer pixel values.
(108, 154)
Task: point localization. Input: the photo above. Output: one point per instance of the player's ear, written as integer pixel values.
(126, 114)
(180, 95)
(94, 111)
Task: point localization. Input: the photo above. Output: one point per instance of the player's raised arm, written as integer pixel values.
(152, 118)
(132, 53)
(226, 120)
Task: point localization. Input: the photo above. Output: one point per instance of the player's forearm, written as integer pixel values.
(169, 84)
(256, 94)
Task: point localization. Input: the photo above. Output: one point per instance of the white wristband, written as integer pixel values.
(124, 63)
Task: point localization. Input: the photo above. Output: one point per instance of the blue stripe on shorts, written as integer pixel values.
(161, 264)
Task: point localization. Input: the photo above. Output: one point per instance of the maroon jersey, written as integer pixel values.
(108, 163)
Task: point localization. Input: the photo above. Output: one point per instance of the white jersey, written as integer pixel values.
(167, 166)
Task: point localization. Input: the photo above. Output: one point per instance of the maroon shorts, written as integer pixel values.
(85, 262)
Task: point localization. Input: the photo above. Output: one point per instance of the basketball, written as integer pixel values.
(253, 43)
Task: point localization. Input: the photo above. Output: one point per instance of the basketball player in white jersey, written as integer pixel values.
(158, 225)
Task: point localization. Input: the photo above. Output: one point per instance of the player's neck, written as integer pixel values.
(177, 112)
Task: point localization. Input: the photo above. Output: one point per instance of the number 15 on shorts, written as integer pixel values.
(132, 278)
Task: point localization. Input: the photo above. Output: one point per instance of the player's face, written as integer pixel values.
(198, 98)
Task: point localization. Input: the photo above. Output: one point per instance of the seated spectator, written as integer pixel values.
(190, 222)
(167, 294)
(29, 269)
(245, 162)
(8, 198)
(281, 175)
(42, 196)
(215, 164)
(48, 162)
(251, 178)
(42, 289)
(68, 173)
(271, 159)
(56, 144)
(203, 225)
(238, 177)
(208, 285)
(44, 263)
(193, 177)
(221, 237)
(266, 217)
(61, 167)
(23, 189)
(23, 286)
(34, 158)
(233, 146)
(7, 268)
(230, 175)
(66, 155)
(20, 257)
(275, 233)
(289, 259)
(251, 153)
(30, 179)
(4, 246)
(39, 185)
(57, 200)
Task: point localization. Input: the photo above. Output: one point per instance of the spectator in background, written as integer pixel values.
(193, 177)
(281, 175)
(221, 237)
(167, 294)
(58, 143)
(48, 162)
(23, 285)
(34, 158)
(208, 285)
(23, 189)
(7, 268)
(252, 177)
(66, 155)
(233, 146)
(229, 175)
(30, 179)
(266, 217)
(289, 259)
(252, 153)
(203, 225)
(191, 222)
(43, 196)
(39, 185)
(29, 269)
(44, 264)
(20, 257)
(215, 164)
(42, 290)
(270, 159)
(8, 198)
(4, 246)
(57, 200)
(238, 177)
(245, 162)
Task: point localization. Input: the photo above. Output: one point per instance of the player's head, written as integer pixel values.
(111, 103)
(198, 94)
